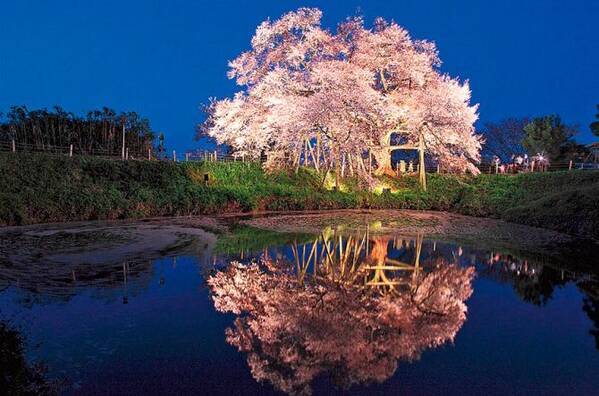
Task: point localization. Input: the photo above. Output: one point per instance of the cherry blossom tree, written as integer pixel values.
(333, 99)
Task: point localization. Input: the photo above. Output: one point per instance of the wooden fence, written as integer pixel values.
(150, 154)
(216, 156)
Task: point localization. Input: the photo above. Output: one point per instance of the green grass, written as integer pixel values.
(41, 188)
(252, 240)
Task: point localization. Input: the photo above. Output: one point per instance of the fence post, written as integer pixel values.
(570, 166)
(438, 168)
(215, 156)
(149, 154)
(71, 151)
(186, 157)
(174, 156)
(496, 167)
(127, 153)
(14, 146)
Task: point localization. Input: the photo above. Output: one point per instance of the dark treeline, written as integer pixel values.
(546, 135)
(99, 131)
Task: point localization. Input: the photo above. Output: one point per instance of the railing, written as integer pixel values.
(215, 156)
(491, 168)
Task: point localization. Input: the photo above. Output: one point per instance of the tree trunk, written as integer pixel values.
(314, 158)
(382, 155)
(337, 170)
(318, 150)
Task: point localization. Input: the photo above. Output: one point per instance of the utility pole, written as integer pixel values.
(123, 148)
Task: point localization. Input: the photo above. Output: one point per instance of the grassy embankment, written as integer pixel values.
(39, 188)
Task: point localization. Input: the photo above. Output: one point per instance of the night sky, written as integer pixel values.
(163, 59)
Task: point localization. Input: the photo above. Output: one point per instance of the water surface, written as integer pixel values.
(343, 311)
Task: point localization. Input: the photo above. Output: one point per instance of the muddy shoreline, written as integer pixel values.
(536, 244)
(103, 242)
(95, 242)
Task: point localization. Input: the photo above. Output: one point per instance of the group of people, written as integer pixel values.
(520, 163)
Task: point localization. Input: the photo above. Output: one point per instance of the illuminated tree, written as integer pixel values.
(424, 100)
(329, 99)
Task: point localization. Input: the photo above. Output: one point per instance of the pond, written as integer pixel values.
(351, 309)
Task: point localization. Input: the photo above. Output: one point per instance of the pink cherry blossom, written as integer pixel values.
(313, 97)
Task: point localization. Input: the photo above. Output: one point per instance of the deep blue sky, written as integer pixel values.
(164, 59)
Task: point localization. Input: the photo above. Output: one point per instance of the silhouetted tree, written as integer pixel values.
(504, 138)
(100, 131)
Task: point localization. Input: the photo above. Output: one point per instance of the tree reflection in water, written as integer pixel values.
(17, 376)
(340, 308)
(536, 283)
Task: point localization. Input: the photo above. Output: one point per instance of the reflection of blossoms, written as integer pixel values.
(292, 333)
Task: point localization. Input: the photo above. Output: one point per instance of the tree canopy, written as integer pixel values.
(547, 135)
(326, 98)
(99, 131)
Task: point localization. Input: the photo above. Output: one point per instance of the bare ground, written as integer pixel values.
(409, 222)
(104, 242)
